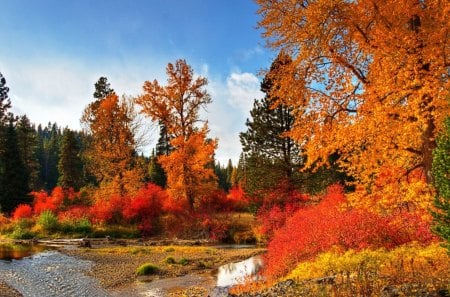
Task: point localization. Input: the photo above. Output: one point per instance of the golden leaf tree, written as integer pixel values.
(176, 106)
(368, 82)
(112, 149)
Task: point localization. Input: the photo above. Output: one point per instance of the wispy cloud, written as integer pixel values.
(232, 102)
(59, 90)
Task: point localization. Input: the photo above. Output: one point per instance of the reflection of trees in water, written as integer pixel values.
(234, 273)
(18, 251)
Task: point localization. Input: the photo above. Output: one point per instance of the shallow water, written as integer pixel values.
(35, 272)
(10, 251)
(236, 273)
(50, 274)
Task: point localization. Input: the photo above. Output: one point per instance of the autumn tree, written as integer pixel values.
(112, 148)
(176, 106)
(368, 81)
(441, 172)
(70, 165)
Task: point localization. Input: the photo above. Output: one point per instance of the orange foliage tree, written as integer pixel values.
(176, 106)
(112, 149)
(368, 81)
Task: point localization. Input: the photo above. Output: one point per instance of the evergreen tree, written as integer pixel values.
(156, 172)
(28, 149)
(48, 155)
(441, 174)
(102, 88)
(222, 178)
(70, 166)
(272, 157)
(229, 172)
(5, 102)
(14, 178)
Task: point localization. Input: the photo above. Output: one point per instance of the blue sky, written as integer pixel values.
(52, 53)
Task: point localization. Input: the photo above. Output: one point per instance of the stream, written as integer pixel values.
(36, 271)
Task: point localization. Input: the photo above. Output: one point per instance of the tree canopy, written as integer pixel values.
(368, 81)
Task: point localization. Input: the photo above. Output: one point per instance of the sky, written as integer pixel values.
(52, 52)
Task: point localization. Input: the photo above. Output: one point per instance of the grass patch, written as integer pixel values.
(147, 269)
(115, 231)
(170, 249)
(48, 221)
(21, 230)
(139, 250)
(183, 261)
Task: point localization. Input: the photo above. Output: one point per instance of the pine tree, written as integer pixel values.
(70, 166)
(441, 174)
(156, 172)
(229, 172)
(272, 157)
(5, 102)
(28, 149)
(14, 178)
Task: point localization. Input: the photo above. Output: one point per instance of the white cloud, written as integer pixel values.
(59, 90)
(243, 88)
(232, 102)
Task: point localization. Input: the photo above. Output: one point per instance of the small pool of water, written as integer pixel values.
(10, 251)
(235, 273)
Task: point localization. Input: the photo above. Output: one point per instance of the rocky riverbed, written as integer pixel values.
(110, 270)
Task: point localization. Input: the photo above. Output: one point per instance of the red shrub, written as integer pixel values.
(22, 211)
(238, 199)
(277, 207)
(214, 202)
(109, 211)
(74, 213)
(42, 202)
(318, 228)
(144, 207)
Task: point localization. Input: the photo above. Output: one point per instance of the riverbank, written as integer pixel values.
(115, 266)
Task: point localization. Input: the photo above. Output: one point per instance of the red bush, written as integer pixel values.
(315, 229)
(144, 207)
(277, 207)
(108, 211)
(74, 213)
(42, 202)
(238, 199)
(22, 211)
(214, 202)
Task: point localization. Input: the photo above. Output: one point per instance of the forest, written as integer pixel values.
(344, 174)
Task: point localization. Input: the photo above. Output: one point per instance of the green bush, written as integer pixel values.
(48, 221)
(170, 260)
(170, 250)
(147, 269)
(183, 261)
(83, 226)
(22, 230)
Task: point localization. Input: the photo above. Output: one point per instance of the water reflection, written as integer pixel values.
(235, 273)
(9, 251)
